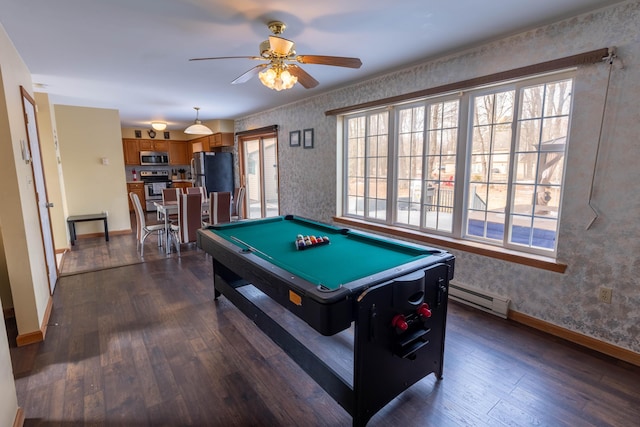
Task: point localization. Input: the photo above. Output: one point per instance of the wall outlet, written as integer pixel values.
(604, 294)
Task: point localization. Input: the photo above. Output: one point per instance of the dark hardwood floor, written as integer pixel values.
(144, 344)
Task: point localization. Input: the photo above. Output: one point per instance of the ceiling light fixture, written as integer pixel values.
(159, 126)
(277, 77)
(197, 128)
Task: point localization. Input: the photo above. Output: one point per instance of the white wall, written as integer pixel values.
(18, 211)
(18, 219)
(606, 254)
(85, 136)
(8, 398)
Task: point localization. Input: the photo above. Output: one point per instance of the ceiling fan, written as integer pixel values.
(280, 70)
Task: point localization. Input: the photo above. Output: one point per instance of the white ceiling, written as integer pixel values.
(132, 55)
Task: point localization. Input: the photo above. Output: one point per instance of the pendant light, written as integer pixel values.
(197, 128)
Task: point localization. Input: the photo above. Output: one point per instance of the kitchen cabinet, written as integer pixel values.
(138, 188)
(178, 153)
(151, 145)
(221, 139)
(199, 144)
(211, 142)
(131, 149)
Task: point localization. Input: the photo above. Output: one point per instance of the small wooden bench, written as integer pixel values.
(71, 223)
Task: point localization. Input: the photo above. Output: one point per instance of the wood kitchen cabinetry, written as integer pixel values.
(152, 145)
(178, 153)
(181, 184)
(138, 188)
(210, 142)
(199, 144)
(222, 139)
(131, 149)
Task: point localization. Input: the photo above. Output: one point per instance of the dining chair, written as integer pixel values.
(237, 207)
(203, 193)
(189, 220)
(143, 230)
(171, 195)
(219, 207)
(195, 190)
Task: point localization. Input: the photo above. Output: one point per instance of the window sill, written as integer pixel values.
(530, 260)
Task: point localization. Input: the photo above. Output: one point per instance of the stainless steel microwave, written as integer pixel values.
(154, 158)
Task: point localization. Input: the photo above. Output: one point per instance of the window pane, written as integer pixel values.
(440, 163)
(489, 165)
(558, 98)
(540, 164)
(481, 140)
(410, 158)
(528, 135)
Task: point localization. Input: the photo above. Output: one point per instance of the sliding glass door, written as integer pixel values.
(259, 169)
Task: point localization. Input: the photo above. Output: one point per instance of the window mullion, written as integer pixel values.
(392, 162)
(463, 166)
(513, 162)
(425, 168)
(366, 175)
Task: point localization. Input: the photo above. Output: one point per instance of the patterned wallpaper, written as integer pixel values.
(600, 252)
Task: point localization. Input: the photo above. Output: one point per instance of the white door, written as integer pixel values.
(41, 192)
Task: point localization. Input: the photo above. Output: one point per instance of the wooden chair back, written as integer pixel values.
(237, 209)
(189, 217)
(219, 207)
(170, 194)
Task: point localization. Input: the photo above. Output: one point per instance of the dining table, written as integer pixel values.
(168, 208)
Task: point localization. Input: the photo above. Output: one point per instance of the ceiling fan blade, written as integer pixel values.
(339, 61)
(227, 57)
(280, 45)
(304, 78)
(247, 76)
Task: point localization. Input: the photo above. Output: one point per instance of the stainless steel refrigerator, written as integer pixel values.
(214, 171)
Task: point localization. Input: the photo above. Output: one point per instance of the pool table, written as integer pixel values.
(392, 293)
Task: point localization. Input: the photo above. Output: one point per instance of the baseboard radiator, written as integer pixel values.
(480, 299)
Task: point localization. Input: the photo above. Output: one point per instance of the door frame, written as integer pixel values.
(37, 172)
(257, 134)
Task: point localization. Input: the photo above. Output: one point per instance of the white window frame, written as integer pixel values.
(463, 166)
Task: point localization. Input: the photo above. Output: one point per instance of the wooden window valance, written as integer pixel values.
(258, 132)
(590, 57)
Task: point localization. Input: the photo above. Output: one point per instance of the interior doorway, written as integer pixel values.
(31, 152)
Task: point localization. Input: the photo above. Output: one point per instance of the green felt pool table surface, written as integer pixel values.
(349, 255)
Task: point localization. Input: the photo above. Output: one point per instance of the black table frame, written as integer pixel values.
(386, 361)
(71, 223)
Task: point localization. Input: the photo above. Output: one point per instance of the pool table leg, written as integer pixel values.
(233, 279)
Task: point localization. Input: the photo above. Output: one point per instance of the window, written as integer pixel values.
(484, 165)
(367, 156)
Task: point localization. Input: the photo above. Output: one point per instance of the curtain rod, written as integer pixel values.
(590, 57)
(266, 129)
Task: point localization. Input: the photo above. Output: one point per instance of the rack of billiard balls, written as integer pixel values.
(306, 242)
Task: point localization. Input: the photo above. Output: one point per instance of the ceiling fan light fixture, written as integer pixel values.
(159, 126)
(197, 128)
(277, 78)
